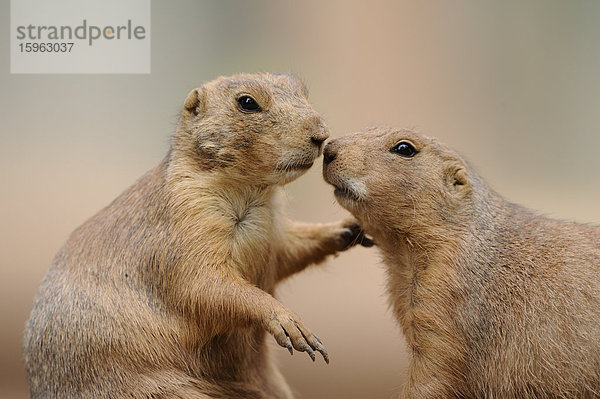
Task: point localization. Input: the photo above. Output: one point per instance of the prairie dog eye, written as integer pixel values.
(404, 149)
(248, 104)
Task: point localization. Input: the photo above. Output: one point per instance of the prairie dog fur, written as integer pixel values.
(493, 300)
(168, 291)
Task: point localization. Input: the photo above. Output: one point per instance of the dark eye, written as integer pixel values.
(248, 104)
(404, 149)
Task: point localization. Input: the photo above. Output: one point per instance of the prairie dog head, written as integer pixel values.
(398, 180)
(255, 128)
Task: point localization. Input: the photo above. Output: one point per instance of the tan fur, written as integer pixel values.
(494, 300)
(167, 292)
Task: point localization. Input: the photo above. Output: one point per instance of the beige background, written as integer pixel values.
(512, 85)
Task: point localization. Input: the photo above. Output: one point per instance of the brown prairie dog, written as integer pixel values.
(167, 292)
(494, 300)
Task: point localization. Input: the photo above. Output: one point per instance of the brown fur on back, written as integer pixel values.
(494, 300)
(167, 292)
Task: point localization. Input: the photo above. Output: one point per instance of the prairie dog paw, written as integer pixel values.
(291, 333)
(351, 234)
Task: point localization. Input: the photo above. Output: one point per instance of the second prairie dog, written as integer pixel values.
(494, 300)
(167, 292)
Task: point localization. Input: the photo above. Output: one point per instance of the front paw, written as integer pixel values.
(291, 333)
(351, 234)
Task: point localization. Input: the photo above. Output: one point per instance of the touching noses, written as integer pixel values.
(318, 140)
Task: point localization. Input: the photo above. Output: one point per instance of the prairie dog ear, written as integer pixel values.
(460, 177)
(457, 178)
(195, 102)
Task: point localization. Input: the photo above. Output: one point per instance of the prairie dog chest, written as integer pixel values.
(254, 230)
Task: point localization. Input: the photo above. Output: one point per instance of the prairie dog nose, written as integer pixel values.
(317, 141)
(318, 129)
(329, 153)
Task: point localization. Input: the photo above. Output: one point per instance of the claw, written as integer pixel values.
(367, 242)
(296, 336)
(323, 353)
(283, 338)
(318, 346)
(353, 235)
(310, 353)
(321, 349)
(348, 233)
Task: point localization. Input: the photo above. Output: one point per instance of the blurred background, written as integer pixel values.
(513, 85)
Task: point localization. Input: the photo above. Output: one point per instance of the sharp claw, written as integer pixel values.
(311, 354)
(290, 349)
(325, 355)
(354, 228)
(318, 346)
(367, 242)
(347, 235)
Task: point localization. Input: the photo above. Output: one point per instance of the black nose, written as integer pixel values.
(317, 141)
(329, 154)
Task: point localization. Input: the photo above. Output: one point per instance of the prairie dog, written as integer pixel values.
(168, 291)
(493, 300)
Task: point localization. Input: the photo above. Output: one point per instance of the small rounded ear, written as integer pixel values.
(457, 178)
(195, 102)
(460, 178)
